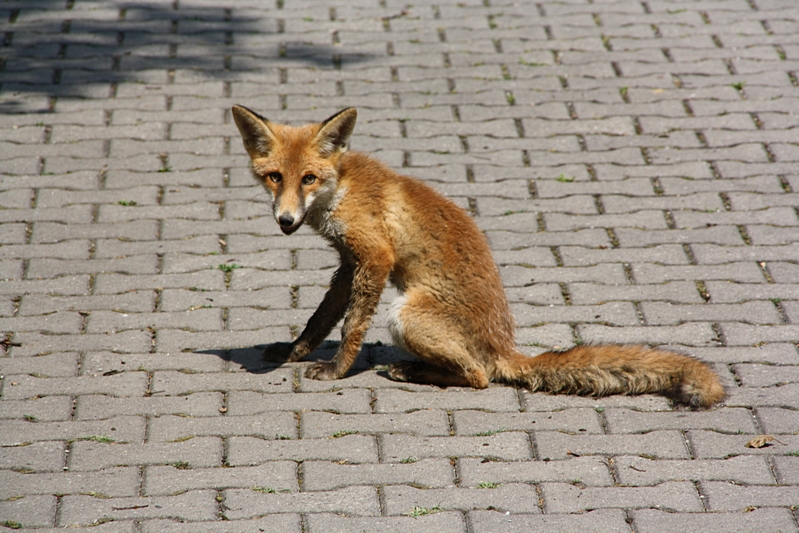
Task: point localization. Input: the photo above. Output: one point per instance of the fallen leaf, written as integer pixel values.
(761, 441)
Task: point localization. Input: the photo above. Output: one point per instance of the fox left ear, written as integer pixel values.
(334, 135)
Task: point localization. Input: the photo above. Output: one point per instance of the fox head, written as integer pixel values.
(298, 166)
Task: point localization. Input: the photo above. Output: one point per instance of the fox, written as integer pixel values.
(452, 313)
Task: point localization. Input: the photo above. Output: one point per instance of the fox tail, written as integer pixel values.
(600, 370)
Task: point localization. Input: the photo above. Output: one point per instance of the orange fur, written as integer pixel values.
(453, 314)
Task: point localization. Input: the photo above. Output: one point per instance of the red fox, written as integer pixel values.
(452, 315)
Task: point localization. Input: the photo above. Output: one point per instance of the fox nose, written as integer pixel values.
(286, 220)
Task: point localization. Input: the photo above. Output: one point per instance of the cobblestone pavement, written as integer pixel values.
(633, 163)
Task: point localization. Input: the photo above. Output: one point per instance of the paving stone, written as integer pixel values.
(725, 496)
(52, 365)
(513, 497)
(353, 501)
(451, 522)
(778, 420)
(174, 428)
(319, 475)
(712, 445)
(491, 399)
(98, 407)
(592, 471)
(663, 444)
(471, 423)
(653, 520)
(125, 384)
(35, 409)
(287, 524)
(505, 446)
(110, 483)
(190, 506)
(673, 495)
(173, 383)
(729, 420)
(347, 448)
(598, 520)
(45, 456)
(343, 401)
(745, 470)
(429, 422)
(95, 363)
(30, 511)
(165, 480)
(120, 429)
(196, 452)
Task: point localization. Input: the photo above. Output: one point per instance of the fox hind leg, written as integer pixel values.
(419, 324)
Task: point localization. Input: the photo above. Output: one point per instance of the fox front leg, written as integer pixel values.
(367, 286)
(327, 315)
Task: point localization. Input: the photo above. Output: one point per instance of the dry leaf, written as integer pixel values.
(761, 441)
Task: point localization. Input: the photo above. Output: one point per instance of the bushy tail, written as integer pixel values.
(600, 370)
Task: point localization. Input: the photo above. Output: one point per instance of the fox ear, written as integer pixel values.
(334, 135)
(258, 138)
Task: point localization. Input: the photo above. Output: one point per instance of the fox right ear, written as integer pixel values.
(258, 138)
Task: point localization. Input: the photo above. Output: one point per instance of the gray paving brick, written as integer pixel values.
(592, 471)
(746, 470)
(197, 452)
(174, 428)
(778, 420)
(725, 420)
(121, 429)
(111, 482)
(653, 520)
(287, 524)
(665, 444)
(673, 495)
(125, 384)
(347, 448)
(689, 334)
(429, 423)
(513, 497)
(492, 399)
(787, 469)
(713, 445)
(176, 383)
(45, 456)
(48, 409)
(725, 496)
(52, 365)
(672, 291)
(470, 423)
(98, 407)
(318, 475)
(598, 520)
(506, 446)
(165, 480)
(30, 511)
(343, 401)
(353, 501)
(451, 522)
(101, 362)
(765, 375)
(190, 506)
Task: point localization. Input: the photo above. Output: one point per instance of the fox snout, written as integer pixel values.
(288, 222)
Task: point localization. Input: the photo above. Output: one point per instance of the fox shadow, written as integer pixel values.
(372, 356)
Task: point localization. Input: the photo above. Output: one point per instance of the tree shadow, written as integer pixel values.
(51, 49)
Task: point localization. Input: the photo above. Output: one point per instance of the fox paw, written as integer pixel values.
(322, 371)
(280, 352)
(401, 370)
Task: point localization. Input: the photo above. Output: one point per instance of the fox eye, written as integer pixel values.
(275, 177)
(308, 179)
